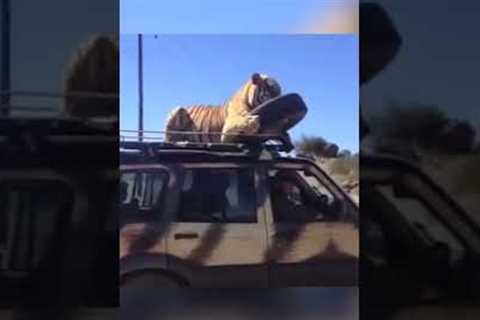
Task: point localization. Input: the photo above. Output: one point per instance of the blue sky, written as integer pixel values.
(220, 16)
(190, 69)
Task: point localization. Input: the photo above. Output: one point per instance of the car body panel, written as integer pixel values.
(210, 254)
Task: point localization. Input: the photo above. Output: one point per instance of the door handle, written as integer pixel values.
(282, 234)
(285, 235)
(186, 235)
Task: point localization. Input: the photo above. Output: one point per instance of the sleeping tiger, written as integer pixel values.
(228, 119)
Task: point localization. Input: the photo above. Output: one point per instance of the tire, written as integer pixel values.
(150, 280)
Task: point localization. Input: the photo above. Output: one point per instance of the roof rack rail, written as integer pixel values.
(74, 94)
(64, 125)
(38, 108)
(151, 148)
(152, 144)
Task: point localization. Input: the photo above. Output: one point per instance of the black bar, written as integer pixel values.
(140, 88)
(5, 78)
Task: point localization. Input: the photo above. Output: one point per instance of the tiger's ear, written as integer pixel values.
(256, 79)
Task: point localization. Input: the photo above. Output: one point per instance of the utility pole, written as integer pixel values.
(5, 64)
(140, 88)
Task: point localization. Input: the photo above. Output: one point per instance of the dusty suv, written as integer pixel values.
(232, 216)
(58, 230)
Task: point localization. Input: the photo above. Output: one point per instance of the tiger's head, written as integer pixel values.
(260, 89)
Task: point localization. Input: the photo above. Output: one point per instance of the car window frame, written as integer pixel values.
(323, 178)
(162, 204)
(438, 211)
(259, 212)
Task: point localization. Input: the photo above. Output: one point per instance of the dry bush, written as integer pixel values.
(400, 129)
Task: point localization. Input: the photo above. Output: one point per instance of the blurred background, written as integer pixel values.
(422, 105)
(283, 304)
(43, 38)
(39, 41)
(419, 70)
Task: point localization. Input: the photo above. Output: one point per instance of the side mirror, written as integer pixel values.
(308, 173)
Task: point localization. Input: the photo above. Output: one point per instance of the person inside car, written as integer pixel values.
(288, 203)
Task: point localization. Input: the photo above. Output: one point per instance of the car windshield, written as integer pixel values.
(423, 220)
(468, 200)
(427, 210)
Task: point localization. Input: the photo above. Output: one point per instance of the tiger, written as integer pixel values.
(93, 68)
(227, 120)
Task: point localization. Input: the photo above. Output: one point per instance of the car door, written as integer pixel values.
(218, 238)
(315, 241)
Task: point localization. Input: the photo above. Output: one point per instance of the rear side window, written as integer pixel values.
(142, 194)
(218, 195)
(31, 214)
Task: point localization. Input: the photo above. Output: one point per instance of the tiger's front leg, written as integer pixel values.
(237, 125)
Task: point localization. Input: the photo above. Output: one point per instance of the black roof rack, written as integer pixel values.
(57, 142)
(152, 145)
(60, 124)
(37, 109)
(148, 147)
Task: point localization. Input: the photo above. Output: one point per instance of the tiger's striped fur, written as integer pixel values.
(93, 68)
(230, 118)
(197, 118)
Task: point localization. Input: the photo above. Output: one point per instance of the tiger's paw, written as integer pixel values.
(236, 127)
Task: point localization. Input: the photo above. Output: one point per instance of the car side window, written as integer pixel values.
(30, 218)
(298, 197)
(141, 194)
(218, 195)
